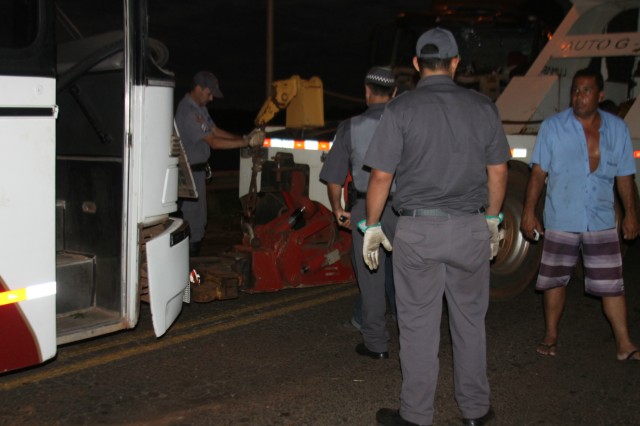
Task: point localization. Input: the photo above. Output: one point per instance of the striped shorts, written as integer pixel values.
(600, 254)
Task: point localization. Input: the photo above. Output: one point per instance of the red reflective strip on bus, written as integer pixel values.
(636, 153)
(297, 144)
(18, 344)
(267, 143)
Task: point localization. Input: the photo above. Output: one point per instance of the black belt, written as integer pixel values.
(435, 212)
(199, 167)
(363, 196)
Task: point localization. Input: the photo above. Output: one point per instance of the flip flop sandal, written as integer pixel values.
(548, 348)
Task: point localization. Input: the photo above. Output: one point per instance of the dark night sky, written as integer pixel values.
(327, 38)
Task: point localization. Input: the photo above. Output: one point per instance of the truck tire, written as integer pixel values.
(516, 265)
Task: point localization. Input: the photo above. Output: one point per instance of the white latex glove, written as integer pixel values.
(255, 138)
(497, 235)
(373, 237)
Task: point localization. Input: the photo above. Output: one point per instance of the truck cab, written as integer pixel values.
(496, 40)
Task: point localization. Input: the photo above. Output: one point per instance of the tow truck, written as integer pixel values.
(289, 235)
(603, 33)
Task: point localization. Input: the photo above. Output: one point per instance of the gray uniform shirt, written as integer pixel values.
(194, 122)
(438, 140)
(346, 156)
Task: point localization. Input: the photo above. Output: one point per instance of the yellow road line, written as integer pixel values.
(179, 326)
(49, 373)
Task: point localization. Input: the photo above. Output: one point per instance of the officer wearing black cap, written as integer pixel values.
(199, 134)
(447, 151)
(346, 156)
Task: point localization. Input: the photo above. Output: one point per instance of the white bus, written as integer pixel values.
(88, 180)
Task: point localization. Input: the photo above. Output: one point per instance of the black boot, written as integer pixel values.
(194, 249)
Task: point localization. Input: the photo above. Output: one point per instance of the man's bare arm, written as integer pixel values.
(627, 192)
(377, 193)
(497, 176)
(535, 186)
(221, 139)
(334, 191)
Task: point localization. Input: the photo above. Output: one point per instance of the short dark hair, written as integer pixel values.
(435, 64)
(380, 90)
(590, 72)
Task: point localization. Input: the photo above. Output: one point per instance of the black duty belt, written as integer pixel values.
(199, 167)
(435, 212)
(363, 196)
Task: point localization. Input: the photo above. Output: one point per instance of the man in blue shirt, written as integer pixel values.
(582, 152)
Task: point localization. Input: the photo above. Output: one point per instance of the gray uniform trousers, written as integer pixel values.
(432, 257)
(372, 283)
(195, 211)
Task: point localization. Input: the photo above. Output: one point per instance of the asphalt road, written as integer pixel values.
(284, 359)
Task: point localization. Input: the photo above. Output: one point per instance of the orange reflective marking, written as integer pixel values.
(324, 146)
(307, 145)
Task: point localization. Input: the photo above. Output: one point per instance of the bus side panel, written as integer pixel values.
(26, 337)
(159, 167)
(27, 240)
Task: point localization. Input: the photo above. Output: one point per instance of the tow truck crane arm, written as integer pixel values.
(303, 100)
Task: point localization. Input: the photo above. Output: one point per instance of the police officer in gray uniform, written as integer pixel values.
(449, 154)
(199, 134)
(346, 155)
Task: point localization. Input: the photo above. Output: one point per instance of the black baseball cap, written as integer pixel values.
(207, 79)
